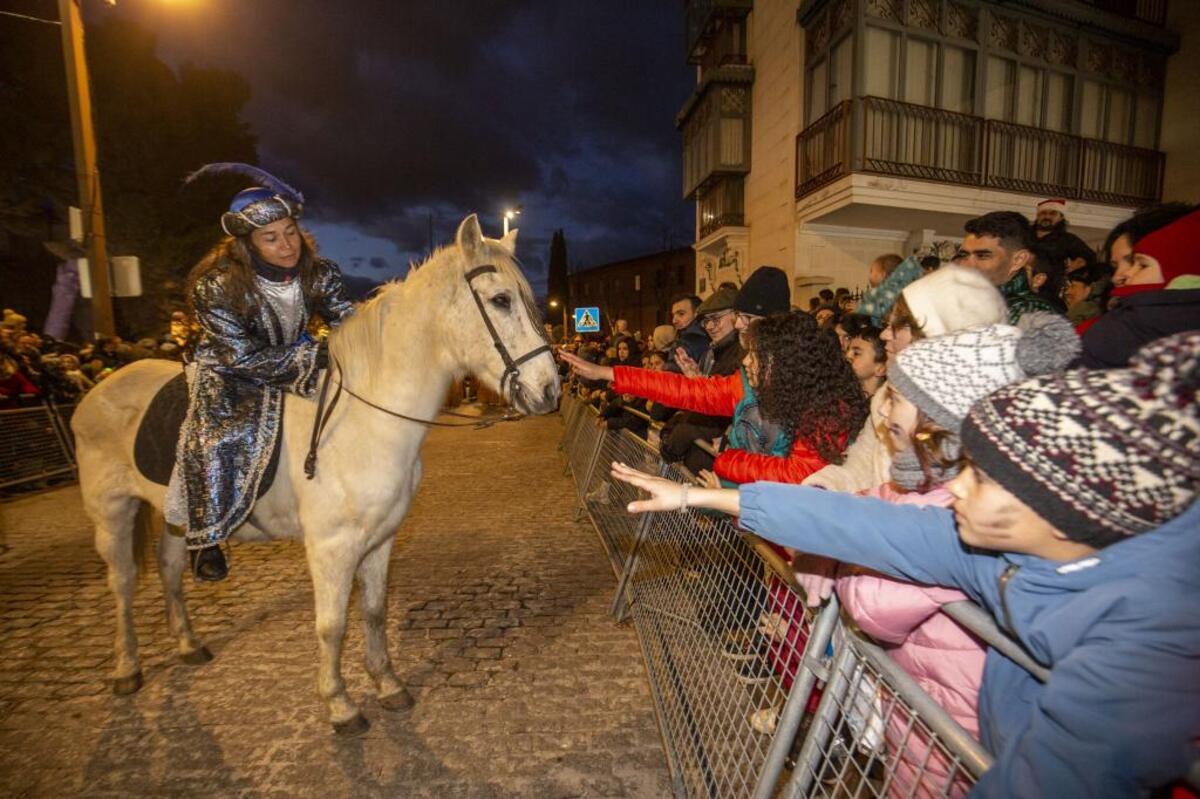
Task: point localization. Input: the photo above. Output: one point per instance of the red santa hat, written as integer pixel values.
(1052, 203)
(1174, 247)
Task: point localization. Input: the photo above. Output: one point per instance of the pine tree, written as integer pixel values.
(557, 287)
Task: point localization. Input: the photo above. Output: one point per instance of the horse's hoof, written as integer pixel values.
(401, 700)
(352, 727)
(197, 657)
(124, 686)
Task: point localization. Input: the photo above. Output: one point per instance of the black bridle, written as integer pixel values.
(511, 373)
(510, 365)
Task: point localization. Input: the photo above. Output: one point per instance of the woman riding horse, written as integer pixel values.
(253, 295)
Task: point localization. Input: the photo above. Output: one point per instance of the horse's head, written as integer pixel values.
(497, 324)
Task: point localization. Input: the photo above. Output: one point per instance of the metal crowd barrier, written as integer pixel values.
(36, 444)
(756, 694)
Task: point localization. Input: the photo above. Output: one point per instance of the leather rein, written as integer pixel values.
(511, 372)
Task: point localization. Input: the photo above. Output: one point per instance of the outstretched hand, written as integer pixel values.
(664, 495)
(585, 369)
(687, 364)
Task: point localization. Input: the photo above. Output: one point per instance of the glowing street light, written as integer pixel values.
(553, 303)
(509, 215)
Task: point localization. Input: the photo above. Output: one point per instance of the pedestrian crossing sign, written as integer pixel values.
(587, 320)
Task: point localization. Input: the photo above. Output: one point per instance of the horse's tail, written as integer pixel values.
(147, 522)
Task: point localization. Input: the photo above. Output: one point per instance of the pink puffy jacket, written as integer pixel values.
(944, 659)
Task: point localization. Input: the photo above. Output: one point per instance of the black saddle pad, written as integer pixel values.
(158, 435)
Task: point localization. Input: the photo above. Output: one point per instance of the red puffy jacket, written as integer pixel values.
(719, 396)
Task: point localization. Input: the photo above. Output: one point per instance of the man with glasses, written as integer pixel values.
(723, 357)
(717, 317)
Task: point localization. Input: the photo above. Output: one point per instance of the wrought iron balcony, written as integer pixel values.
(1152, 11)
(715, 123)
(702, 16)
(880, 136)
(721, 204)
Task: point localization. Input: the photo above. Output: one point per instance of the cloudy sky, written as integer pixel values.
(395, 116)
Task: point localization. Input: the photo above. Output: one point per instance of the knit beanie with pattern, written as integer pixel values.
(953, 298)
(1100, 454)
(945, 375)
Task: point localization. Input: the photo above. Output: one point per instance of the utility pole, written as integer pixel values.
(83, 135)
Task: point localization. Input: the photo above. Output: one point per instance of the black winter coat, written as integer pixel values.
(1138, 320)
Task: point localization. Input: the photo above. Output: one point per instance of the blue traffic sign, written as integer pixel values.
(587, 320)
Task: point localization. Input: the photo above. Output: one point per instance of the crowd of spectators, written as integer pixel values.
(35, 367)
(1060, 383)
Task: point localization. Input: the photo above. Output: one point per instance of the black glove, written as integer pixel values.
(323, 355)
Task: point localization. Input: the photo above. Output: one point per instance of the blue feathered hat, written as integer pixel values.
(258, 205)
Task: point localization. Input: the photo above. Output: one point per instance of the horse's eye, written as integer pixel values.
(502, 302)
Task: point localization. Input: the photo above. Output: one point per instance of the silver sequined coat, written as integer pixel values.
(244, 363)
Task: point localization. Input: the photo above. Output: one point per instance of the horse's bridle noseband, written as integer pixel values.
(510, 372)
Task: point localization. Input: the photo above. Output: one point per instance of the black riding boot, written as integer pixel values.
(208, 564)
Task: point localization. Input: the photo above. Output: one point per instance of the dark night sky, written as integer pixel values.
(386, 112)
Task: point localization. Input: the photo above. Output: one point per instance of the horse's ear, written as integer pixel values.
(470, 239)
(509, 242)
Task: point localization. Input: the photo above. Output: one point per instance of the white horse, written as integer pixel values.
(400, 350)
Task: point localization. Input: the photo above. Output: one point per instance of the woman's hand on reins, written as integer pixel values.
(586, 369)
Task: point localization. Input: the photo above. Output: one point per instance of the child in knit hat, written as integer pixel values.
(1078, 513)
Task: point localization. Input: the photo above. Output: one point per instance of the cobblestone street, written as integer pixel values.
(498, 624)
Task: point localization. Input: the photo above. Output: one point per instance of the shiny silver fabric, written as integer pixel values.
(287, 301)
(244, 363)
(256, 215)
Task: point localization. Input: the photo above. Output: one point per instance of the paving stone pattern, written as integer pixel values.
(498, 623)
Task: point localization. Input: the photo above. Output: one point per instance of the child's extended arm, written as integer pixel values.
(914, 543)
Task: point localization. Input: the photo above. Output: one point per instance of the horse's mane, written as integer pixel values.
(358, 341)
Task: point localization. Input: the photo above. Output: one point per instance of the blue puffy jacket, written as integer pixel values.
(1119, 630)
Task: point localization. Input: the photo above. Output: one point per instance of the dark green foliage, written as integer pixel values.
(556, 278)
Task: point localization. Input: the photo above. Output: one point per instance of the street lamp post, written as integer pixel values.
(84, 139)
(509, 215)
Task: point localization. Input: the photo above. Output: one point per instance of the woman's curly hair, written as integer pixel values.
(805, 383)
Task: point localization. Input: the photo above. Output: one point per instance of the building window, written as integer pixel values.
(899, 66)
(1030, 72)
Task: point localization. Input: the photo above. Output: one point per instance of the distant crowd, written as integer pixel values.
(35, 367)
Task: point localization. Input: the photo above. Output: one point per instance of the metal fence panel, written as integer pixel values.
(605, 499)
(877, 734)
(581, 454)
(32, 446)
(724, 640)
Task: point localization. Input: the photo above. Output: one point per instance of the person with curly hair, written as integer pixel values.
(795, 402)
